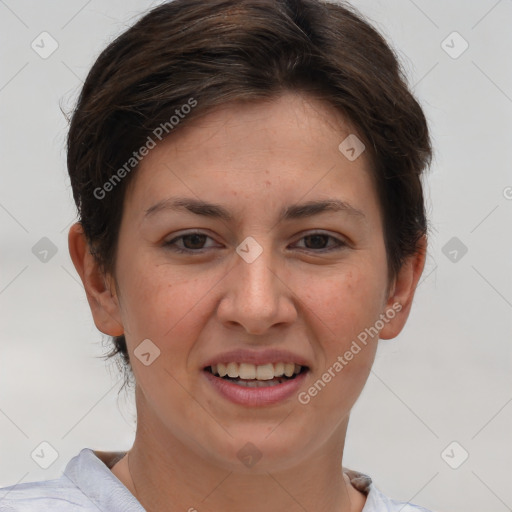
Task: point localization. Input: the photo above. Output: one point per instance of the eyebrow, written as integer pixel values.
(216, 211)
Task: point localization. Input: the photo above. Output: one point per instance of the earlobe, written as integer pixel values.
(399, 302)
(103, 303)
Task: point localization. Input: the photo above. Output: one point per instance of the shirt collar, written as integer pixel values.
(92, 476)
(91, 472)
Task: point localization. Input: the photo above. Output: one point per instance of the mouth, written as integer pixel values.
(257, 376)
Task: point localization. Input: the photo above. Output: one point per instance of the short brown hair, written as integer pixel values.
(222, 51)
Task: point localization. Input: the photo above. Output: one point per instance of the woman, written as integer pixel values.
(251, 222)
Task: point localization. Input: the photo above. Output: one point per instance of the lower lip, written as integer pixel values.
(256, 396)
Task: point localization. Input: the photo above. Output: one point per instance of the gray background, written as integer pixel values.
(446, 378)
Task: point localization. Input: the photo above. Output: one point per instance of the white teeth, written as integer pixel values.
(246, 371)
(279, 369)
(222, 369)
(262, 372)
(232, 370)
(288, 369)
(265, 371)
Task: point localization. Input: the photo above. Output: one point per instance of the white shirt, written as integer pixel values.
(88, 485)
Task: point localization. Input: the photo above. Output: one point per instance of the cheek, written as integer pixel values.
(158, 303)
(164, 303)
(345, 302)
(143, 286)
(341, 308)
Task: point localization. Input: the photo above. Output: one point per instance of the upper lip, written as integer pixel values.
(257, 357)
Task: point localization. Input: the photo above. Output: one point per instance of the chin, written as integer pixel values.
(255, 450)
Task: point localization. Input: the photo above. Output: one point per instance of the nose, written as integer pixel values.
(257, 295)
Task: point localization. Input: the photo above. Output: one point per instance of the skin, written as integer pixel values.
(254, 159)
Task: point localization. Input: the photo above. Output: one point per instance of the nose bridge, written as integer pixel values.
(257, 286)
(256, 298)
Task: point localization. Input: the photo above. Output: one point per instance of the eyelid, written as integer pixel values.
(175, 238)
(339, 242)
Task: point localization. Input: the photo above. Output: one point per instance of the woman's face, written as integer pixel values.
(256, 280)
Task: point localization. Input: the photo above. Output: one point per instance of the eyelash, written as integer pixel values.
(171, 244)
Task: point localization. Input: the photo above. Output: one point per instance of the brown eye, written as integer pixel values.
(188, 243)
(195, 241)
(318, 242)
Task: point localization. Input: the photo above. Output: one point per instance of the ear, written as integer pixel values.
(99, 287)
(402, 292)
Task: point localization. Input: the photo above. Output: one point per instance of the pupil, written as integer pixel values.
(195, 238)
(316, 238)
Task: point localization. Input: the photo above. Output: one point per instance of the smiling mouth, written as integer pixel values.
(255, 382)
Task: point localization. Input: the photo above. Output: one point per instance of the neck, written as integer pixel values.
(165, 474)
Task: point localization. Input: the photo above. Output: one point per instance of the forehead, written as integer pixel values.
(275, 126)
(290, 144)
